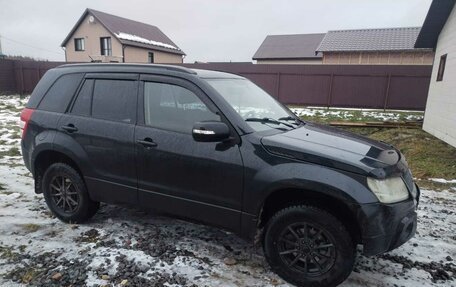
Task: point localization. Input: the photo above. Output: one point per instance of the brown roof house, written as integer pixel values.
(102, 37)
(387, 46)
(289, 49)
(439, 33)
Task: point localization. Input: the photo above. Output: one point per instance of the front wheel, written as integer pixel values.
(66, 194)
(307, 246)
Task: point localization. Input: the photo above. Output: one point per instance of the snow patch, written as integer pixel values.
(14, 195)
(442, 180)
(353, 114)
(134, 38)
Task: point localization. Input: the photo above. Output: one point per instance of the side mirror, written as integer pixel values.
(210, 131)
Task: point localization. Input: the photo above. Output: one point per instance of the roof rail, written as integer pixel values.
(156, 66)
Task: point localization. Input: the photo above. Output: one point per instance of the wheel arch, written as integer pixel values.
(47, 157)
(284, 197)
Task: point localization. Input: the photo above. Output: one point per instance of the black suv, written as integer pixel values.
(213, 147)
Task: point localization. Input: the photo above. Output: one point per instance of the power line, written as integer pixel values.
(30, 46)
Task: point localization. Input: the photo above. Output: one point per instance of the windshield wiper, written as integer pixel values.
(290, 118)
(268, 121)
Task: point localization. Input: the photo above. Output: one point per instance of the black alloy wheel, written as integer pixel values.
(63, 194)
(66, 194)
(307, 249)
(308, 246)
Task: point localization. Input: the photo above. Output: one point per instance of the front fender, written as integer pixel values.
(337, 184)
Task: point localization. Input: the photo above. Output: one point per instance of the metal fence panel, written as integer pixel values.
(354, 86)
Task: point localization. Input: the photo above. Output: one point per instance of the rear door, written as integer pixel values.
(101, 121)
(202, 181)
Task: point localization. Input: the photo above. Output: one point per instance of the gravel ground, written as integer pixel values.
(125, 246)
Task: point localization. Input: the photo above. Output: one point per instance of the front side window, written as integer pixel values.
(79, 44)
(114, 100)
(105, 45)
(252, 103)
(441, 70)
(151, 57)
(174, 108)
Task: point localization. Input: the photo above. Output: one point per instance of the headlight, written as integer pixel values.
(388, 190)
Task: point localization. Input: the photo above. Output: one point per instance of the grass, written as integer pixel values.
(15, 135)
(90, 236)
(29, 275)
(14, 151)
(31, 227)
(12, 108)
(428, 157)
(8, 253)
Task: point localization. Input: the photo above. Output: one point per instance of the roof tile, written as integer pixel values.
(289, 47)
(385, 39)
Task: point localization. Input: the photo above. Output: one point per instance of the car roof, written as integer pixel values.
(145, 68)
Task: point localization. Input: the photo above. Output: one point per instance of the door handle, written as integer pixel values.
(69, 128)
(147, 142)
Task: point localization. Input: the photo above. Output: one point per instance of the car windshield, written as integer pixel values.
(255, 106)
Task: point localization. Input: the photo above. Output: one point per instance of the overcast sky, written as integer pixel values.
(206, 30)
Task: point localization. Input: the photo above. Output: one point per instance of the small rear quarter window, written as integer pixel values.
(60, 94)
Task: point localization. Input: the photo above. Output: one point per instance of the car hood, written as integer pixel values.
(336, 148)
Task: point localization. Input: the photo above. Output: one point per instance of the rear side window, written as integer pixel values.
(41, 88)
(115, 100)
(83, 102)
(174, 108)
(59, 95)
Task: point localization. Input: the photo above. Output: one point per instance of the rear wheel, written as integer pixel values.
(307, 246)
(66, 194)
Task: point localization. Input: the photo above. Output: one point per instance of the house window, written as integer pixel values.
(105, 46)
(151, 57)
(441, 68)
(79, 44)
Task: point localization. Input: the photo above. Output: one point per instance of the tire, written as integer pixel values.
(73, 205)
(298, 261)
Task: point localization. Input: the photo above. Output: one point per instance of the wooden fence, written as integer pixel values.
(353, 86)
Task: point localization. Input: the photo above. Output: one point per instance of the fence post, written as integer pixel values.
(38, 76)
(278, 86)
(385, 103)
(330, 90)
(19, 75)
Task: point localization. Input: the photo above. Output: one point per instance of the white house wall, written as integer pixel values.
(440, 115)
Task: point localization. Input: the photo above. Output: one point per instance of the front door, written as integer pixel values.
(201, 181)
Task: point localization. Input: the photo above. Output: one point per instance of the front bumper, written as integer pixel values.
(387, 226)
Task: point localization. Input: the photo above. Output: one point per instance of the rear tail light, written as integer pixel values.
(26, 114)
